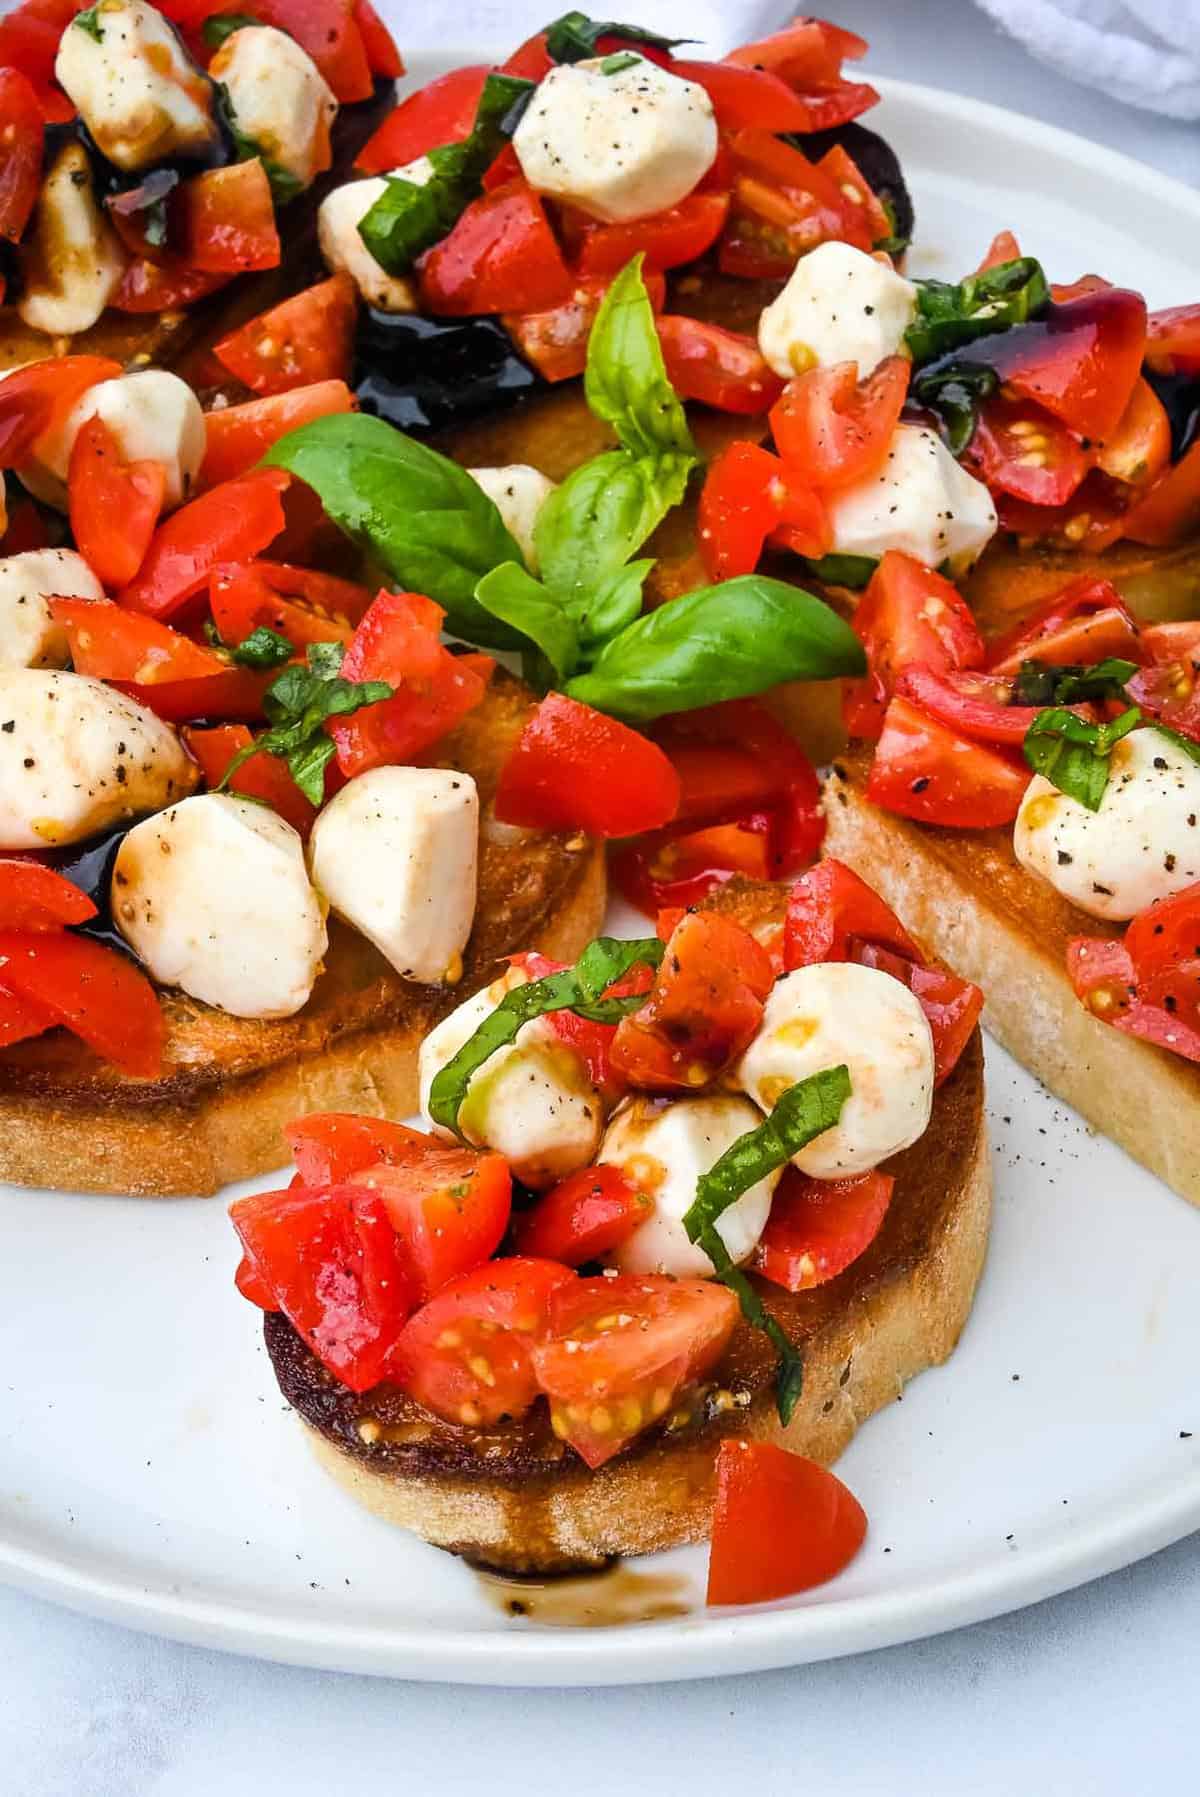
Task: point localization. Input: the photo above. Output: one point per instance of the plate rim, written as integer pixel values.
(706, 1644)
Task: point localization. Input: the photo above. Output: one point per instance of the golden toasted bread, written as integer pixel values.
(515, 1498)
(229, 1084)
(965, 894)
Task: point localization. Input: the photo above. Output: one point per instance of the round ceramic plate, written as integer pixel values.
(152, 1474)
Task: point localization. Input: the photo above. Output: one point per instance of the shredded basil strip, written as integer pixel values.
(1073, 754)
(263, 648)
(805, 1111)
(222, 25)
(573, 37)
(406, 218)
(1046, 683)
(853, 571)
(579, 989)
(950, 315)
(297, 706)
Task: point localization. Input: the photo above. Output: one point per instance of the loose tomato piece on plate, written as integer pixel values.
(297, 603)
(226, 220)
(666, 239)
(34, 897)
(818, 1227)
(1085, 621)
(111, 643)
(237, 437)
(556, 340)
(702, 1010)
(441, 112)
(449, 1206)
(831, 912)
(618, 1352)
(20, 152)
(91, 990)
(1018, 449)
(925, 771)
(584, 1217)
(465, 1354)
(574, 767)
(262, 777)
(398, 640)
(834, 428)
(781, 1524)
(114, 504)
(229, 523)
(306, 339)
(719, 368)
(333, 1264)
(501, 256)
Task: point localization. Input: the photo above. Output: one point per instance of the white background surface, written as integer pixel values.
(1091, 1692)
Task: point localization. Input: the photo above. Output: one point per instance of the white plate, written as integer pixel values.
(150, 1473)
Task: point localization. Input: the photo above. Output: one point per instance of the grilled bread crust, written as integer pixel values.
(515, 1498)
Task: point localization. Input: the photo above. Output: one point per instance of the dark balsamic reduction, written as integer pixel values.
(422, 374)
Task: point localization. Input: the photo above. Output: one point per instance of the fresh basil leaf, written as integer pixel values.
(625, 381)
(955, 390)
(721, 642)
(307, 763)
(297, 706)
(574, 37)
(580, 989)
(406, 218)
(600, 516)
(1188, 744)
(1042, 683)
(422, 516)
(516, 598)
(950, 315)
(221, 25)
(853, 571)
(90, 22)
(614, 604)
(263, 648)
(1073, 754)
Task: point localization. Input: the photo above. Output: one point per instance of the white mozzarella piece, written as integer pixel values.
(531, 1102)
(338, 218)
(213, 897)
(76, 756)
(1142, 844)
(920, 501)
(72, 262)
(154, 416)
(618, 146)
(663, 1148)
(29, 637)
(518, 493)
(279, 98)
(839, 305)
(395, 853)
(840, 1013)
(134, 86)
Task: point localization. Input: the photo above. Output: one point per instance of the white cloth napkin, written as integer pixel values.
(1144, 52)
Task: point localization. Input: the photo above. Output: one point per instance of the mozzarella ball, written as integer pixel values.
(29, 636)
(663, 1147)
(395, 853)
(212, 896)
(518, 493)
(338, 218)
(839, 1013)
(134, 86)
(618, 146)
(76, 757)
(919, 500)
(279, 98)
(72, 262)
(532, 1102)
(1142, 844)
(839, 305)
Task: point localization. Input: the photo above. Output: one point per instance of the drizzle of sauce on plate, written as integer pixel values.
(615, 1596)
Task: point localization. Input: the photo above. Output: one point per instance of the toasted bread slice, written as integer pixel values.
(965, 894)
(515, 1498)
(229, 1084)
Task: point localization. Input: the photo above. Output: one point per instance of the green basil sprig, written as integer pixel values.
(574, 37)
(805, 1111)
(406, 218)
(297, 706)
(626, 381)
(1074, 754)
(580, 989)
(1045, 683)
(950, 315)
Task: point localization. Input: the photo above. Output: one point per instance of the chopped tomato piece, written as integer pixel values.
(818, 1227)
(1155, 997)
(591, 1042)
(94, 991)
(263, 777)
(781, 1524)
(1165, 933)
(831, 912)
(383, 58)
(35, 402)
(111, 643)
(702, 1010)
(114, 504)
(1020, 450)
(20, 152)
(233, 693)
(574, 767)
(667, 869)
(229, 523)
(834, 427)
(501, 256)
(925, 771)
(333, 1264)
(465, 1354)
(1080, 360)
(34, 897)
(1173, 340)
(21, 1018)
(170, 284)
(1084, 622)
(306, 339)
(449, 1206)
(666, 239)
(29, 39)
(330, 1147)
(952, 1006)
(584, 1217)
(745, 97)
(226, 220)
(530, 60)
(748, 496)
(1169, 512)
(1140, 447)
(26, 529)
(618, 1352)
(1003, 248)
(237, 437)
(297, 603)
(556, 340)
(718, 368)
(807, 55)
(782, 206)
(907, 615)
(329, 31)
(977, 705)
(442, 112)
